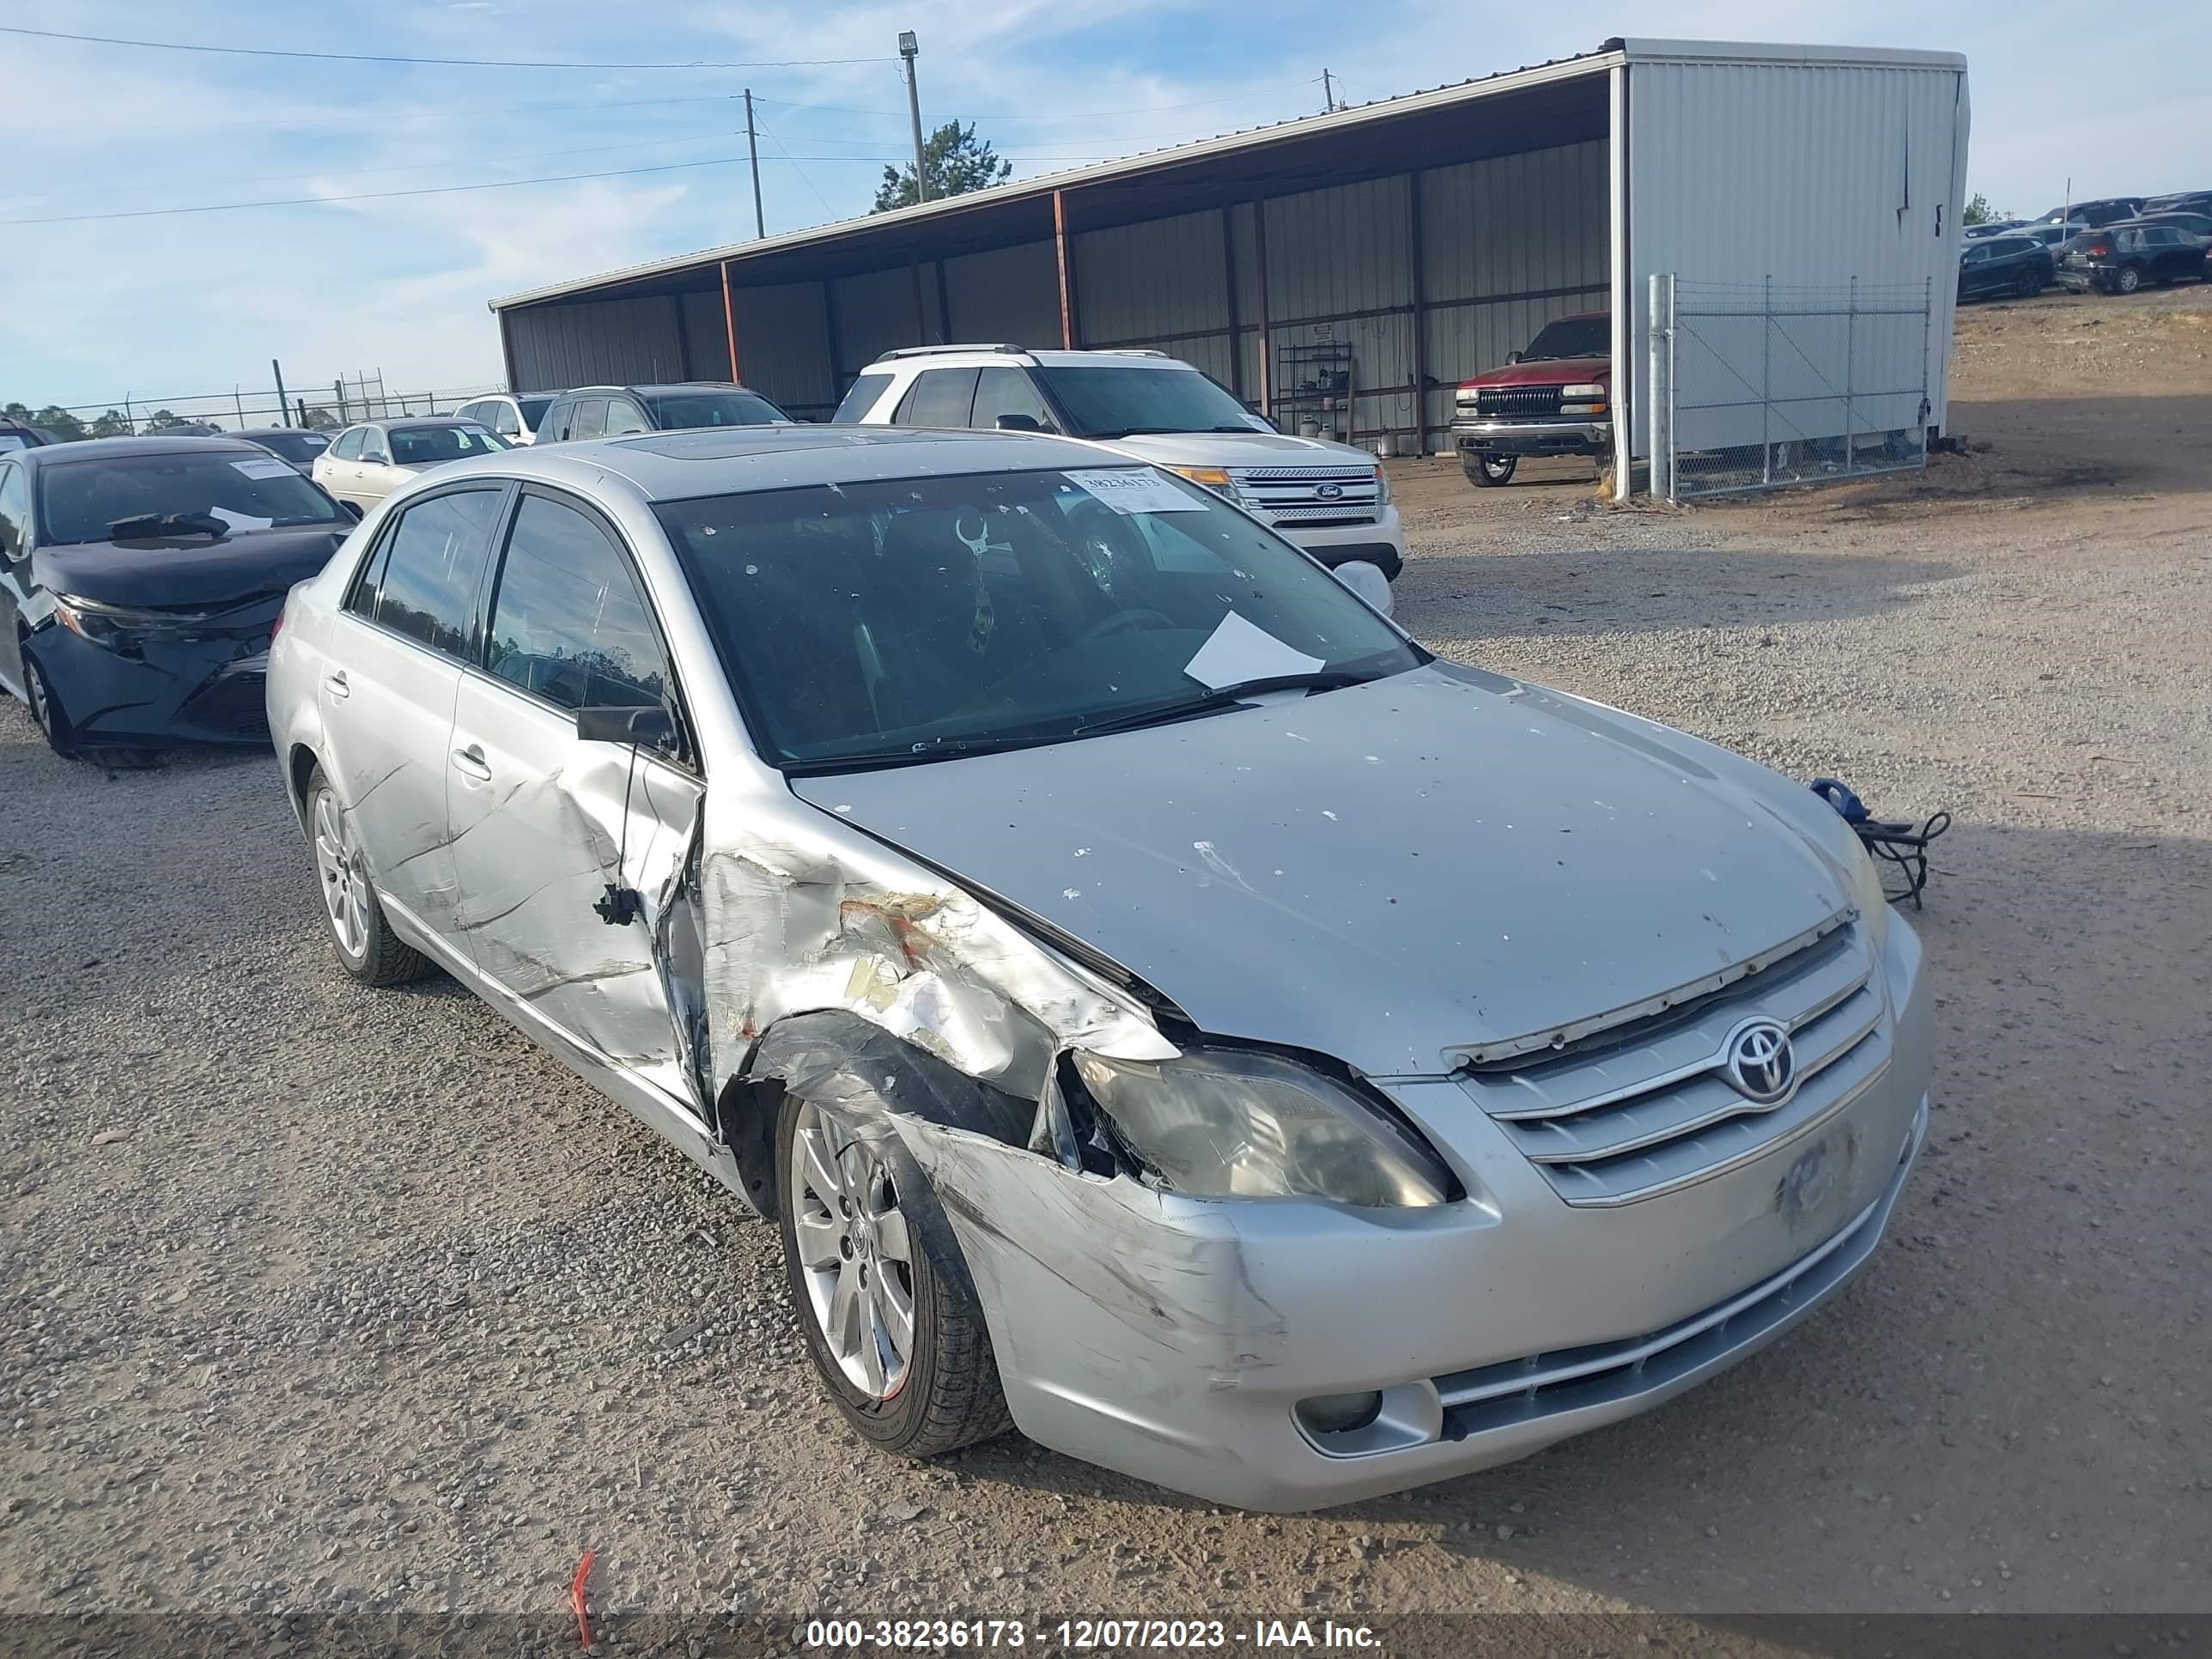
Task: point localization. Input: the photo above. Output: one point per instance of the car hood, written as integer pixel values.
(187, 572)
(1238, 449)
(1438, 860)
(1550, 371)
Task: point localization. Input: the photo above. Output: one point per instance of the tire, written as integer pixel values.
(2128, 281)
(1488, 472)
(363, 939)
(943, 1392)
(2028, 286)
(46, 713)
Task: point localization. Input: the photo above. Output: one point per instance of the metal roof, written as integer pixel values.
(1337, 128)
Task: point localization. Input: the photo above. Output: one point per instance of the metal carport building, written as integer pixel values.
(1432, 234)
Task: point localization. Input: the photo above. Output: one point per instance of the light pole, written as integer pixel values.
(909, 49)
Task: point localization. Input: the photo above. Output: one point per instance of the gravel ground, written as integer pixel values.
(325, 1298)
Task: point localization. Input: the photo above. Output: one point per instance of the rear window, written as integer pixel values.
(298, 447)
(860, 399)
(674, 411)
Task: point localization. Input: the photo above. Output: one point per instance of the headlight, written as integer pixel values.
(1585, 390)
(1230, 1124)
(103, 623)
(1866, 893)
(1382, 488)
(1215, 478)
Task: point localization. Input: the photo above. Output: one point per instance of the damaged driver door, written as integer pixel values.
(552, 835)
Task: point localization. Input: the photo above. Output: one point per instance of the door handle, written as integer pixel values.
(337, 681)
(470, 761)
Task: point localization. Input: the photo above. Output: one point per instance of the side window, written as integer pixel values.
(15, 511)
(567, 623)
(361, 601)
(1009, 392)
(590, 420)
(860, 398)
(1977, 253)
(372, 446)
(502, 420)
(471, 412)
(348, 447)
(938, 397)
(624, 417)
(428, 587)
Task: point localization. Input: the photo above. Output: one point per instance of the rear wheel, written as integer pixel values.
(1490, 470)
(371, 951)
(2128, 281)
(880, 1288)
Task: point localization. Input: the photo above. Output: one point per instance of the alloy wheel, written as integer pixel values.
(42, 706)
(345, 880)
(855, 1252)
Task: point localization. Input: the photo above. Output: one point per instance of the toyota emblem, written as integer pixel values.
(1328, 492)
(1760, 1062)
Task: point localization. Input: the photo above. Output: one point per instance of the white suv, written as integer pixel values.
(514, 419)
(1328, 498)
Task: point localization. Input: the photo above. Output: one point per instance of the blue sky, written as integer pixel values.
(160, 306)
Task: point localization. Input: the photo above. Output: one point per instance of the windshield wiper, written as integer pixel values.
(1225, 696)
(928, 749)
(145, 526)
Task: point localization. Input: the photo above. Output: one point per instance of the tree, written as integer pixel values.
(161, 419)
(321, 420)
(957, 163)
(59, 422)
(1979, 212)
(114, 424)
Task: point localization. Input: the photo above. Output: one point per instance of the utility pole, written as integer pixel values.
(752, 148)
(909, 48)
(283, 408)
(1327, 94)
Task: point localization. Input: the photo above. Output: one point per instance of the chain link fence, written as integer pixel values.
(1760, 386)
(334, 403)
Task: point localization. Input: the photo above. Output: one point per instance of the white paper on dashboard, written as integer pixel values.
(1238, 651)
(1137, 490)
(271, 468)
(242, 520)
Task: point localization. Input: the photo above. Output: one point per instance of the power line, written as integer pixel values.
(1070, 115)
(391, 58)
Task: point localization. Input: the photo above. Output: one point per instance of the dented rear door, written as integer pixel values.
(543, 824)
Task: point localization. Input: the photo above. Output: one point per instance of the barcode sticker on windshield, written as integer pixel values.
(271, 468)
(1137, 490)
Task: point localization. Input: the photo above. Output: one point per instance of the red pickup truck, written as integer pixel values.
(1554, 398)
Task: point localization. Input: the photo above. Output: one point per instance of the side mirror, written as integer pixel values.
(354, 508)
(1018, 423)
(1367, 580)
(1512, 357)
(649, 726)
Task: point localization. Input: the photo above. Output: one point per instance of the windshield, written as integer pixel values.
(1571, 337)
(531, 408)
(674, 411)
(892, 622)
(299, 447)
(1115, 400)
(224, 489)
(425, 446)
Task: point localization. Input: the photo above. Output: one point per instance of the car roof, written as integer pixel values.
(280, 432)
(651, 391)
(395, 423)
(671, 466)
(114, 449)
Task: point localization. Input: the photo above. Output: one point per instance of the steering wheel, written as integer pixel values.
(1121, 622)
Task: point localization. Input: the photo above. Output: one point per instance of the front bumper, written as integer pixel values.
(1171, 1339)
(167, 686)
(1381, 542)
(1533, 437)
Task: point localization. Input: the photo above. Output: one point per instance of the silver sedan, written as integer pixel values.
(1161, 1006)
(366, 463)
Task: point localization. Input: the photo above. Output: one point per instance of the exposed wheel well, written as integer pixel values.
(299, 767)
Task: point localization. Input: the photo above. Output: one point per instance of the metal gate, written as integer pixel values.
(1760, 386)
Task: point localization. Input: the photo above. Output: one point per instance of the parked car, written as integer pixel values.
(2186, 201)
(514, 419)
(1328, 498)
(298, 445)
(1991, 227)
(2095, 216)
(1155, 1000)
(2194, 227)
(2123, 257)
(1552, 398)
(2018, 265)
(139, 579)
(615, 411)
(14, 435)
(2049, 237)
(366, 463)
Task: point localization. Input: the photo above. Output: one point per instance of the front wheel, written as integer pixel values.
(46, 713)
(1490, 470)
(880, 1288)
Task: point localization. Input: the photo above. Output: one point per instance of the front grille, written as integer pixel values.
(1601, 1373)
(1298, 495)
(235, 706)
(1517, 403)
(1644, 1109)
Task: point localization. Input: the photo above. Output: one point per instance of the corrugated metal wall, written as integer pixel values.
(783, 347)
(1010, 293)
(597, 342)
(1810, 174)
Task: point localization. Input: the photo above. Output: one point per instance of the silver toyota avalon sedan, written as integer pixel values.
(1162, 1006)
